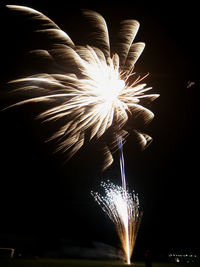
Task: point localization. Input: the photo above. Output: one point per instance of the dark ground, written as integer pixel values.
(81, 263)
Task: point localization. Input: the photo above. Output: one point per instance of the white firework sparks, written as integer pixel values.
(122, 208)
(93, 91)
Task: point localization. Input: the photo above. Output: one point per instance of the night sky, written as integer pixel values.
(45, 198)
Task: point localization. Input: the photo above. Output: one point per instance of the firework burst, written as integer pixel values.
(93, 89)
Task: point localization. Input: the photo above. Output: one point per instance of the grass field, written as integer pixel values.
(80, 263)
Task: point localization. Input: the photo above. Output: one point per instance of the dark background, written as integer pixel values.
(43, 199)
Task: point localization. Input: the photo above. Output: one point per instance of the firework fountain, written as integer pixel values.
(122, 208)
(92, 92)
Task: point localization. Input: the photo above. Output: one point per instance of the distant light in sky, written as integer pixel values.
(190, 84)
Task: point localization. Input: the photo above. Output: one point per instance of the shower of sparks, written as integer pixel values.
(93, 89)
(122, 208)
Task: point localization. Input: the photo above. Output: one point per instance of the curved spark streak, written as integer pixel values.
(93, 91)
(122, 208)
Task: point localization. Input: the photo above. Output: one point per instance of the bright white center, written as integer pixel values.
(111, 89)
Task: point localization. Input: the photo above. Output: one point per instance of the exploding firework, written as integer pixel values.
(93, 89)
(122, 208)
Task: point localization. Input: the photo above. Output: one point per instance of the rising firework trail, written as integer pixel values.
(122, 166)
(93, 90)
